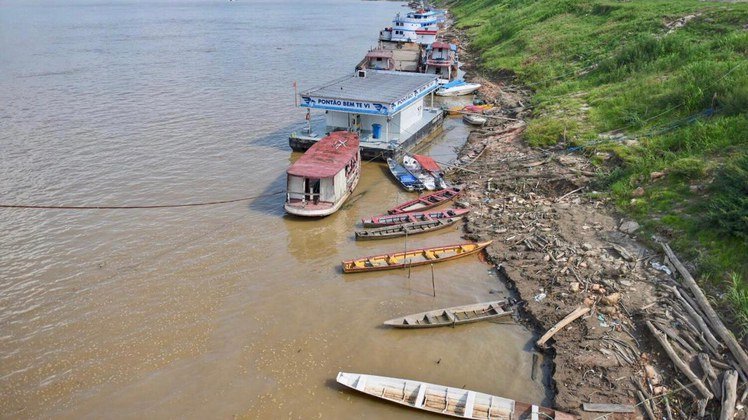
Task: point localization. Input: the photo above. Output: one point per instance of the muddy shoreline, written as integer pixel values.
(559, 247)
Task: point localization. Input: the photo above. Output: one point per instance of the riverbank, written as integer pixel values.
(563, 246)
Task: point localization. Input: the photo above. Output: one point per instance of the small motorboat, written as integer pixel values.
(408, 181)
(445, 400)
(428, 164)
(427, 201)
(412, 165)
(398, 219)
(402, 259)
(406, 229)
(457, 315)
(474, 119)
(457, 88)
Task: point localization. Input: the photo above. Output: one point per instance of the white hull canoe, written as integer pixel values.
(459, 90)
(448, 401)
(472, 119)
(456, 315)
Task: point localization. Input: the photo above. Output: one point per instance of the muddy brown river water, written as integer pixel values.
(207, 312)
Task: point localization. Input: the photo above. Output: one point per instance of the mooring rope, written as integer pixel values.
(153, 206)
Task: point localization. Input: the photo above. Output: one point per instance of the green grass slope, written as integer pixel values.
(659, 85)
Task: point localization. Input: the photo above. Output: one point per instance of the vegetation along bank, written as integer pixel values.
(656, 94)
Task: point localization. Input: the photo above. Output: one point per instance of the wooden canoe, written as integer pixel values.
(415, 257)
(445, 400)
(398, 219)
(457, 315)
(405, 229)
(427, 201)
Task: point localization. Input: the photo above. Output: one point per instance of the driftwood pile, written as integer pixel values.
(694, 338)
(592, 289)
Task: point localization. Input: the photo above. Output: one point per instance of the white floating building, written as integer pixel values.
(386, 109)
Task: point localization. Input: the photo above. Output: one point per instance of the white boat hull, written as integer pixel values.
(311, 212)
(449, 401)
(460, 90)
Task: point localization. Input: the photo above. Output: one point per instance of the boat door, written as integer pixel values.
(311, 189)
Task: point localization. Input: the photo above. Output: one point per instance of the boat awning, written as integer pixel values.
(427, 163)
(378, 92)
(326, 157)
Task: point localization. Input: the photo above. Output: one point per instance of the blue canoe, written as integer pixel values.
(405, 178)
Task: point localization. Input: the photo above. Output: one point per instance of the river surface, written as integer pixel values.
(205, 312)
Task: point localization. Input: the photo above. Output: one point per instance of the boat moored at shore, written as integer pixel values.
(423, 256)
(445, 400)
(322, 179)
(398, 219)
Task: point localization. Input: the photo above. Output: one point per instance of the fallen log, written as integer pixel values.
(646, 406)
(682, 366)
(608, 408)
(729, 395)
(561, 324)
(714, 320)
(711, 375)
(692, 312)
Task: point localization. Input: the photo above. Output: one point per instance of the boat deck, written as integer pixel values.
(376, 149)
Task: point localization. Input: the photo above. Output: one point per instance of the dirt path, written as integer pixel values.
(562, 249)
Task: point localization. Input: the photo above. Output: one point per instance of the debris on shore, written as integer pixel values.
(626, 337)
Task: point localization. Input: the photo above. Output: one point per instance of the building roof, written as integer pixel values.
(383, 87)
(326, 157)
(440, 44)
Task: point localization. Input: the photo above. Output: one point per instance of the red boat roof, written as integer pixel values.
(326, 157)
(440, 44)
(427, 163)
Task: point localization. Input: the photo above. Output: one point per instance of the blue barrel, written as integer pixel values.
(376, 130)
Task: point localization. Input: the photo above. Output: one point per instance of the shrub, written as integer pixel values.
(728, 204)
(688, 168)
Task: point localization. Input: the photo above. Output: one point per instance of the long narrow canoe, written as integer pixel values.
(427, 201)
(398, 219)
(415, 257)
(445, 400)
(408, 229)
(452, 316)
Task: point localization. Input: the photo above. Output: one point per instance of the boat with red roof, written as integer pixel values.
(322, 179)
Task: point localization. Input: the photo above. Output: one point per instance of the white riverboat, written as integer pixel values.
(325, 176)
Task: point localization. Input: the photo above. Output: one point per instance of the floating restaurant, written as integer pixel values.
(385, 108)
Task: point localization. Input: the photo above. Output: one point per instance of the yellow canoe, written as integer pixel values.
(423, 256)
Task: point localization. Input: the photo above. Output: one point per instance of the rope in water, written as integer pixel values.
(154, 206)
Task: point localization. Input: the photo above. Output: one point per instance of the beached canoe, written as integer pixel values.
(398, 219)
(445, 400)
(457, 315)
(474, 119)
(427, 201)
(415, 257)
(408, 181)
(405, 229)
